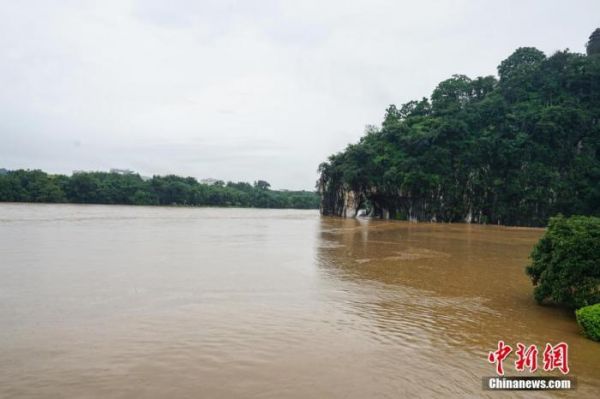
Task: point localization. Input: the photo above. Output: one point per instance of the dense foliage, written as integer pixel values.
(593, 45)
(114, 188)
(589, 319)
(565, 266)
(514, 150)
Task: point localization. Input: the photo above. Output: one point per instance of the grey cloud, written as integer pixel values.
(240, 90)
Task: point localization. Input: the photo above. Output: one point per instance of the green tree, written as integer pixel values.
(262, 185)
(565, 266)
(593, 45)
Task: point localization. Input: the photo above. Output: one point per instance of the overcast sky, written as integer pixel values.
(240, 90)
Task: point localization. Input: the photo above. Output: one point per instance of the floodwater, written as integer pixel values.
(153, 302)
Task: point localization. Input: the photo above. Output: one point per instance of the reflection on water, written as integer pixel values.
(101, 301)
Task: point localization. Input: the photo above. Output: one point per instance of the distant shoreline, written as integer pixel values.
(172, 206)
(129, 188)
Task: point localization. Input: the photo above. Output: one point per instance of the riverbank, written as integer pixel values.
(36, 186)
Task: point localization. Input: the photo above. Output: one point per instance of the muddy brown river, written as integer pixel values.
(153, 302)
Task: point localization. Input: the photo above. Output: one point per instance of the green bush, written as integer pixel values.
(565, 266)
(589, 320)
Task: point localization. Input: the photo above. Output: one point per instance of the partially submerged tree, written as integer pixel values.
(565, 266)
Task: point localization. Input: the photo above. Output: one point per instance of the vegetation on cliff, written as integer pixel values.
(114, 188)
(593, 45)
(565, 266)
(513, 150)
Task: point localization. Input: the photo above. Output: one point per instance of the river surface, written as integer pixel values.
(159, 302)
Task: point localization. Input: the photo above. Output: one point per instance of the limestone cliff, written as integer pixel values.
(343, 201)
(339, 201)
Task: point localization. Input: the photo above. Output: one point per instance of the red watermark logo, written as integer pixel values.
(554, 357)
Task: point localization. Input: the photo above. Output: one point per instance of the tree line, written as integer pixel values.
(132, 189)
(513, 149)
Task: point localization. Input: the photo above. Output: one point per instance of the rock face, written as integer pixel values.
(339, 201)
(351, 204)
(343, 201)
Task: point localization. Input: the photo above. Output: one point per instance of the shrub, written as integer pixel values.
(565, 266)
(589, 320)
